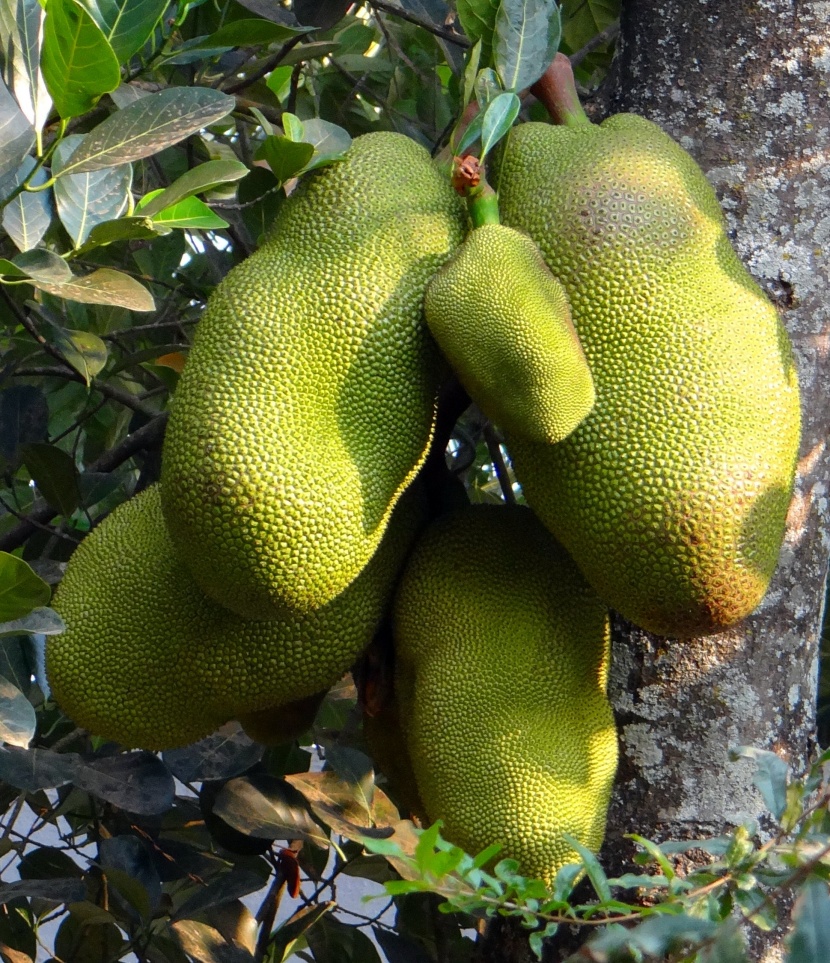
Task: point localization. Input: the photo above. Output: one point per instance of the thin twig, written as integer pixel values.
(458, 39)
(102, 387)
(610, 33)
(267, 67)
(503, 475)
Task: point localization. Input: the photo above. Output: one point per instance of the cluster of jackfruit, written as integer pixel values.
(648, 397)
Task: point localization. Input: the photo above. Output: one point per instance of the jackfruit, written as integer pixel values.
(672, 495)
(149, 661)
(502, 655)
(307, 403)
(504, 324)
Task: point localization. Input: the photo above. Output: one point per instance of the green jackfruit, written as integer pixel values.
(672, 495)
(504, 324)
(502, 658)
(150, 661)
(307, 403)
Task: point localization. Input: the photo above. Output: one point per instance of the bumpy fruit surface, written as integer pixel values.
(502, 657)
(150, 661)
(307, 402)
(504, 324)
(672, 495)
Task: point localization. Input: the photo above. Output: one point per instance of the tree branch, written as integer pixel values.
(458, 39)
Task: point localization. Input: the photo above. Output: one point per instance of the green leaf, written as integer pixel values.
(41, 265)
(40, 621)
(595, 872)
(17, 716)
(224, 754)
(810, 938)
(16, 133)
(27, 218)
(471, 71)
(148, 126)
(294, 927)
(206, 944)
(20, 589)
(584, 19)
(250, 32)
(24, 416)
(104, 286)
(332, 940)
(127, 863)
(88, 935)
(470, 135)
(126, 25)
(269, 808)
(526, 39)
(655, 852)
(21, 38)
(121, 229)
(78, 63)
(330, 142)
(55, 475)
(196, 181)
(285, 157)
(497, 120)
(91, 198)
(83, 350)
(487, 87)
(771, 774)
(189, 214)
(33, 769)
(292, 125)
(223, 889)
(478, 21)
(137, 782)
(54, 890)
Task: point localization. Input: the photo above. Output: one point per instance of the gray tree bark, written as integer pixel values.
(743, 86)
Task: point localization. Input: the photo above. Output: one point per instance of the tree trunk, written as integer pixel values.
(743, 86)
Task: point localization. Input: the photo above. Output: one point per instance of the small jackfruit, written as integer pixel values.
(150, 661)
(504, 324)
(502, 655)
(672, 495)
(307, 403)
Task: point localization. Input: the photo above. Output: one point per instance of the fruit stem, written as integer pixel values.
(469, 181)
(556, 90)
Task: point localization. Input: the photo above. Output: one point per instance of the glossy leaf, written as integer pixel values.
(498, 118)
(206, 944)
(138, 782)
(595, 872)
(294, 927)
(269, 808)
(285, 157)
(190, 214)
(21, 37)
(148, 126)
(17, 716)
(55, 475)
(250, 31)
(54, 890)
(104, 286)
(227, 887)
(16, 133)
(78, 62)
(203, 178)
(526, 38)
(33, 769)
(127, 26)
(43, 266)
(224, 754)
(90, 198)
(330, 141)
(28, 216)
(478, 21)
(122, 229)
(770, 777)
(20, 589)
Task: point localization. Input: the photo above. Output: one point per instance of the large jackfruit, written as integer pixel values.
(504, 324)
(307, 402)
(502, 657)
(672, 494)
(150, 661)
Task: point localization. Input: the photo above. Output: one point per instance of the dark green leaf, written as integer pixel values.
(20, 589)
(16, 133)
(331, 940)
(24, 417)
(49, 863)
(44, 266)
(271, 11)
(356, 769)
(21, 36)
(17, 716)
(55, 475)
(230, 886)
(148, 126)
(294, 927)
(809, 941)
(770, 777)
(18, 659)
(310, 51)
(250, 32)
(103, 286)
(27, 218)
(129, 857)
(88, 935)
(478, 21)
(497, 120)
(224, 754)
(595, 872)
(78, 63)
(757, 907)
(54, 890)
(138, 782)
(400, 948)
(269, 808)
(285, 157)
(33, 769)
(127, 26)
(526, 39)
(89, 198)
(196, 181)
(322, 14)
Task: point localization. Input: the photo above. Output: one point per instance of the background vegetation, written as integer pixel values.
(145, 149)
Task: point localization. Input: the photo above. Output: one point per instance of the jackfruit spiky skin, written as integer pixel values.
(151, 662)
(306, 405)
(502, 657)
(672, 495)
(504, 324)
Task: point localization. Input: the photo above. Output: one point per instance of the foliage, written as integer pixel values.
(145, 148)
